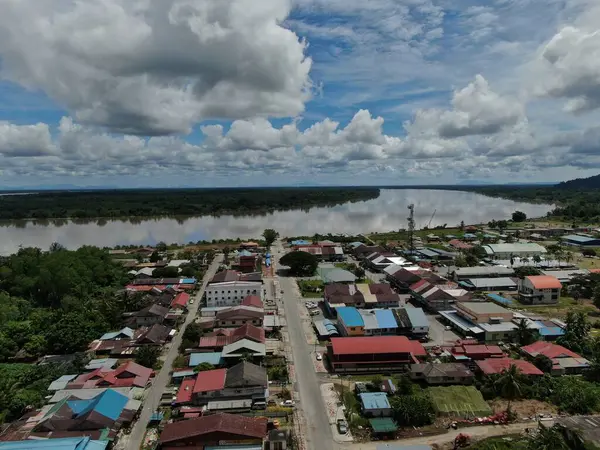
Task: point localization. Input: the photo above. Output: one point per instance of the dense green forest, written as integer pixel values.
(173, 202)
(53, 302)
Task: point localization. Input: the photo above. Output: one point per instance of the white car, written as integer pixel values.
(287, 403)
(319, 357)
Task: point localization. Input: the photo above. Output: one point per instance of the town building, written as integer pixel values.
(581, 240)
(468, 350)
(517, 249)
(375, 295)
(153, 314)
(539, 289)
(332, 275)
(237, 316)
(566, 276)
(564, 361)
(219, 338)
(374, 354)
(413, 321)
(350, 322)
(489, 284)
(229, 288)
(214, 431)
(487, 321)
(436, 374)
(431, 296)
(375, 404)
(465, 273)
(129, 374)
(67, 443)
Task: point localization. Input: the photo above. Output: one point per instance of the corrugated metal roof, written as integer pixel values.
(385, 318)
(350, 316)
(374, 400)
(417, 317)
(213, 358)
(369, 319)
(502, 282)
(517, 247)
(76, 443)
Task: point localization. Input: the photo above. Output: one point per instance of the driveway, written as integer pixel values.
(161, 381)
(317, 432)
(437, 332)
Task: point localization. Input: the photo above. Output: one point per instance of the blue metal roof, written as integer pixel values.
(374, 400)
(499, 299)
(385, 318)
(109, 404)
(417, 317)
(300, 242)
(183, 373)
(350, 316)
(355, 244)
(188, 281)
(577, 238)
(549, 331)
(128, 332)
(76, 443)
(213, 358)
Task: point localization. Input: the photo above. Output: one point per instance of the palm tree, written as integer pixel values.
(525, 335)
(509, 384)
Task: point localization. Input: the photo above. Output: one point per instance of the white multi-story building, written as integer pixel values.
(231, 293)
(539, 289)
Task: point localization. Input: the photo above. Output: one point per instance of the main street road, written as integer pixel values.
(155, 392)
(319, 435)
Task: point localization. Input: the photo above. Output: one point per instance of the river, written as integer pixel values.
(386, 213)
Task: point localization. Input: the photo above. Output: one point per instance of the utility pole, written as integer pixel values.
(411, 229)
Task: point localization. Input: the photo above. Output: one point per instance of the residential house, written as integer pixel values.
(379, 295)
(68, 443)
(239, 315)
(334, 275)
(375, 404)
(495, 320)
(539, 289)
(244, 348)
(432, 297)
(150, 315)
(442, 373)
(465, 273)
(494, 366)
(471, 350)
(180, 301)
(378, 322)
(229, 288)
(242, 381)
(219, 338)
(564, 361)
(374, 354)
(129, 374)
(214, 430)
(362, 251)
(459, 245)
(341, 295)
(123, 333)
(154, 335)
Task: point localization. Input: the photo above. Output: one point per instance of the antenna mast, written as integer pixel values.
(411, 229)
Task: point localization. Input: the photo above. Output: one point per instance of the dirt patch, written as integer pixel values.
(524, 408)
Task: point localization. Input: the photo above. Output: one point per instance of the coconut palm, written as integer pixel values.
(509, 384)
(525, 335)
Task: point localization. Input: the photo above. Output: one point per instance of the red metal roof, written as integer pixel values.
(210, 380)
(247, 331)
(252, 300)
(550, 350)
(544, 282)
(459, 244)
(180, 299)
(126, 375)
(184, 394)
(376, 344)
(498, 365)
(489, 350)
(239, 426)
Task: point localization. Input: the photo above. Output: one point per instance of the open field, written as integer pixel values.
(560, 310)
(463, 401)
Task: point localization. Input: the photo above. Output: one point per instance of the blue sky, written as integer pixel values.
(230, 93)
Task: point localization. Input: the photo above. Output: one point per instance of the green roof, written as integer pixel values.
(383, 425)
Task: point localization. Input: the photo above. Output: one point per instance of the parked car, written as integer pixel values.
(319, 357)
(342, 426)
(287, 403)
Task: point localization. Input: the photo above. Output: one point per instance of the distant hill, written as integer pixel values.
(581, 183)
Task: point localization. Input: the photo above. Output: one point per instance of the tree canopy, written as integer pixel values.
(300, 263)
(519, 216)
(270, 236)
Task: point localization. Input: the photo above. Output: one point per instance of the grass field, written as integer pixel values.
(463, 401)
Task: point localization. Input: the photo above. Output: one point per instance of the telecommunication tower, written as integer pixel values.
(411, 228)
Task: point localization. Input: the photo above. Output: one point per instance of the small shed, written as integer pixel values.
(383, 425)
(375, 404)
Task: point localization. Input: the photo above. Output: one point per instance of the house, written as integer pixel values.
(180, 301)
(379, 295)
(350, 321)
(362, 251)
(330, 275)
(67, 443)
(517, 249)
(473, 351)
(213, 430)
(414, 321)
(61, 383)
(442, 373)
(495, 366)
(489, 284)
(218, 339)
(495, 320)
(239, 315)
(459, 245)
(149, 316)
(98, 417)
(564, 361)
(101, 363)
(244, 348)
(566, 276)
(539, 289)
(341, 295)
(373, 354)
(432, 297)
(242, 381)
(154, 335)
(229, 288)
(123, 333)
(213, 358)
(375, 404)
(129, 374)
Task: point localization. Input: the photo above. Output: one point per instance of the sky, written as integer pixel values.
(167, 93)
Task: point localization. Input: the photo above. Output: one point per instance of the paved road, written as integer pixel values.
(155, 392)
(318, 432)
